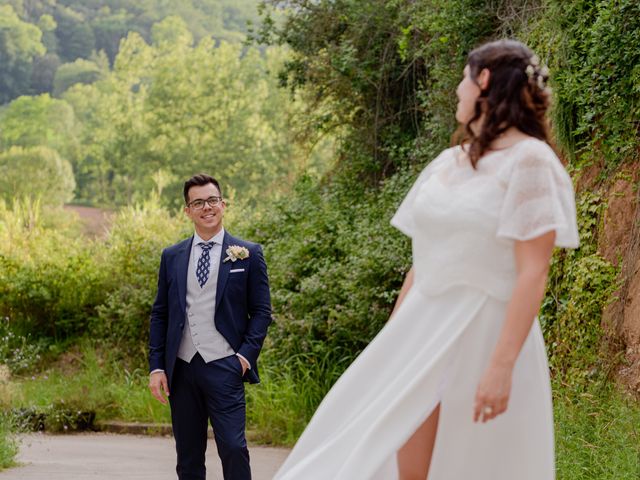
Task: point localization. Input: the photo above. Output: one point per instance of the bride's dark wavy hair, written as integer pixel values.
(516, 95)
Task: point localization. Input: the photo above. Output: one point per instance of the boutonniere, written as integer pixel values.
(236, 252)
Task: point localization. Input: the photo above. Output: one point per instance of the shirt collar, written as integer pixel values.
(217, 238)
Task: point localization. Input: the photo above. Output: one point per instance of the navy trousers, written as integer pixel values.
(209, 391)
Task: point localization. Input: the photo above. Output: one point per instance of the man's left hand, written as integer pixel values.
(245, 365)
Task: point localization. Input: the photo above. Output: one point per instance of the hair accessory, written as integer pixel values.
(537, 74)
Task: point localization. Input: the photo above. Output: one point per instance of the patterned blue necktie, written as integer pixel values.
(204, 262)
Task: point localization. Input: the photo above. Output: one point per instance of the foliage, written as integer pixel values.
(19, 353)
(593, 50)
(45, 294)
(581, 284)
(79, 71)
(35, 172)
(58, 417)
(324, 260)
(20, 44)
(386, 66)
(162, 102)
(43, 73)
(69, 30)
(105, 285)
(39, 121)
(185, 109)
(91, 377)
(130, 261)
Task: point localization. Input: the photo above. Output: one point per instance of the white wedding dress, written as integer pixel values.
(463, 223)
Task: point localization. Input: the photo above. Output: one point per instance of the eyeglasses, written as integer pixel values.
(198, 204)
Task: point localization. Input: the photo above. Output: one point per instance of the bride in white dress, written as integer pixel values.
(456, 385)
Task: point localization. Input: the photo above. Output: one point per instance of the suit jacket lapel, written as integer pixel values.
(223, 271)
(182, 262)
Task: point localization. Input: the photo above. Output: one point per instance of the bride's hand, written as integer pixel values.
(492, 395)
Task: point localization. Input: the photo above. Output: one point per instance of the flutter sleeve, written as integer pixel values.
(539, 199)
(403, 218)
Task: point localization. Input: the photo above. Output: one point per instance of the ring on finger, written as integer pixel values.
(487, 410)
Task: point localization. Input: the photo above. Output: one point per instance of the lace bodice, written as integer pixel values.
(464, 222)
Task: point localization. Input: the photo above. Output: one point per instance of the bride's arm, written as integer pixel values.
(532, 266)
(406, 286)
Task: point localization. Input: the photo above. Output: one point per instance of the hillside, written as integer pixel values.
(48, 44)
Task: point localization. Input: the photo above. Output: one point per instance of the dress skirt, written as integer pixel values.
(434, 350)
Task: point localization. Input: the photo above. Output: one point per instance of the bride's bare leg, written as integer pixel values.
(414, 457)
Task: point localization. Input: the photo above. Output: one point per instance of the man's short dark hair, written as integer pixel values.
(198, 181)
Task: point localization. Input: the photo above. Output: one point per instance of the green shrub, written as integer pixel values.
(56, 284)
(50, 281)
(49, 176)
(337, 269)
(58, 417)
(596, 71)
(130, 260)
(18, 352)
(581, 284)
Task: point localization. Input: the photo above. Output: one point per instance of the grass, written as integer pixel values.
(93, 379)
(8, 445)
(597, 426)
(281, 405)
(597, 433)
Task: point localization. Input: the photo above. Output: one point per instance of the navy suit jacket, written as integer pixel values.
(242, 309)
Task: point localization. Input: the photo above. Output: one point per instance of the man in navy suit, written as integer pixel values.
(208, 323)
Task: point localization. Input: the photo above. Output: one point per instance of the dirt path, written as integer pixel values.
(100, 456)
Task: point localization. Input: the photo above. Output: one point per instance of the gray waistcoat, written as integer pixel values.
(200, 333)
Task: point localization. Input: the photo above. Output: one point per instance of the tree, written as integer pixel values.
(20, 44)
(39, 121)
(43, 72)
(80, 71)
(75, 36)
(48, 26)
(183, 109)
(110, 29)
(35, 172)
(172, 31)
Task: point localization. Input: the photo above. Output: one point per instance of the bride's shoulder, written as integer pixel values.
(533, 150)
(532, 157)
(530, 153)
(448, 155)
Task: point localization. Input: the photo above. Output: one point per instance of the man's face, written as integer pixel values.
(208, 219)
